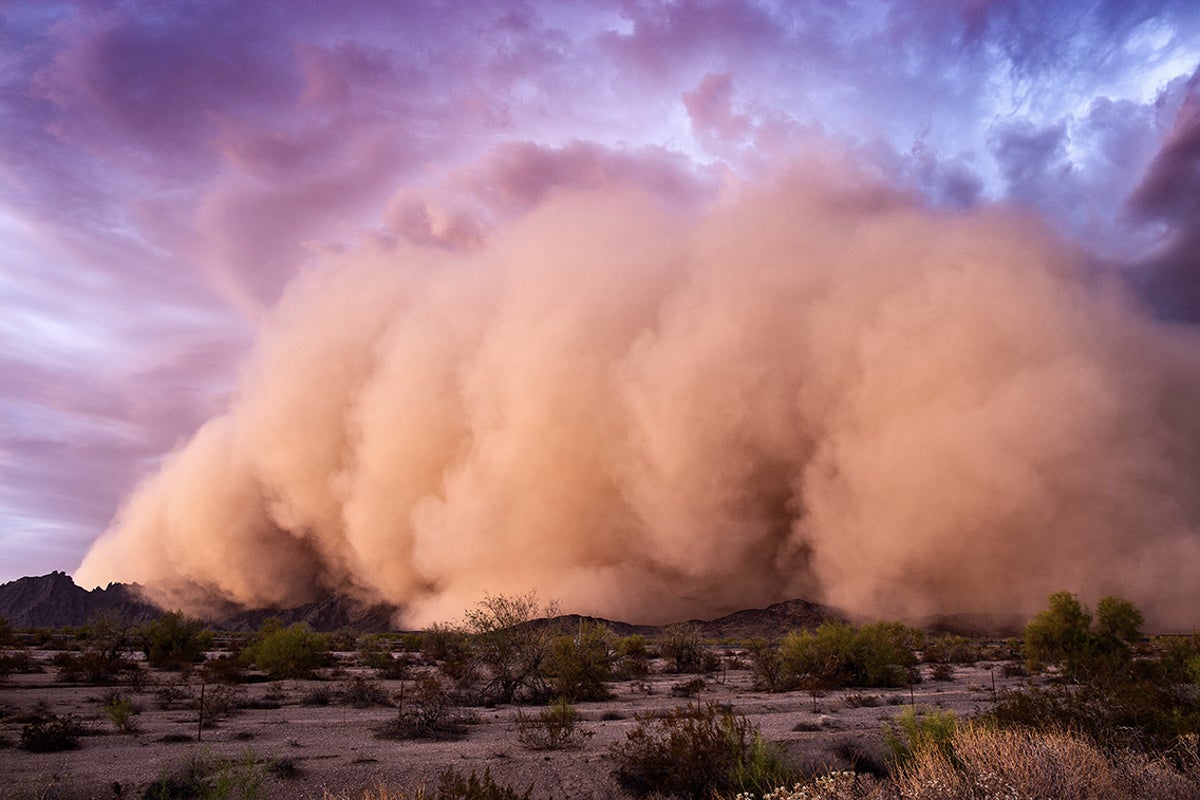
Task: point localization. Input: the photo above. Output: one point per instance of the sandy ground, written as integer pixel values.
(333, 749)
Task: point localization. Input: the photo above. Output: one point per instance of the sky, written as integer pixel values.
(167, 170)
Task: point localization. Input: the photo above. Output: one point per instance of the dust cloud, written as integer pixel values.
(814, 388)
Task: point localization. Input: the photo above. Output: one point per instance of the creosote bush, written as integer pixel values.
(556, 727)
(291, 652)
(838, 655)
(51, 734)
(580, 664)
(173, 641)
(693, 752)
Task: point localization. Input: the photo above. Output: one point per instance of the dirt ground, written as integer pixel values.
(304, 751)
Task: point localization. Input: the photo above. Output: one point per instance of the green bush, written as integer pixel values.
(695, 752)
(580, 666)
(838, 654)
(173, 640)
(291, 652)
(914, 732)
(1063, 634)
(121, 713)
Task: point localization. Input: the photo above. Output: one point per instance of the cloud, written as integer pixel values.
(815, 387)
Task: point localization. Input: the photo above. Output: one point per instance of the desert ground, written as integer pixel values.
(278, 744)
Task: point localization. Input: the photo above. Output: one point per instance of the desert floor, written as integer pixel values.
(303, 751)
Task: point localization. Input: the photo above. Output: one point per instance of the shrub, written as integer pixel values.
(226, 669)
(767, 665)
(694, 752)
(173, 640)
(554, 728)
(91, 666)
(633, 658)
(579, 666)
(51, 734)
(689, 688)
(376, 653)
(121, 713)
(682, 647)
(837, 654)
(950, 649)
(360, 693)
(913, 732)
(427, 712)
(453, 786)
(207, 777)
(291, 652)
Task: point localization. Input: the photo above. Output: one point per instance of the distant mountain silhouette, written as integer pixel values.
(54, 601)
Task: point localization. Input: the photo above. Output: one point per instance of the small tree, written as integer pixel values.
(291, 652)
(1063, 634)
(514, 649)
(173, 640)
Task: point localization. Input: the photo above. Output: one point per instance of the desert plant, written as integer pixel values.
(291, 652)
(361, 692)
(211, 778)
(452, 785)
(950, 649)
(556, 727)
(51, 734)
(376, 653)
(632, 657)
(913, 731)
(91, 666)
(689, 688)
(838, 654)
(510, 645)
(427, 711)
(693, 752)
(682, 647)
(173, 640)
(766, 662)
(580, 665)
(1063, 634)
(121, 712)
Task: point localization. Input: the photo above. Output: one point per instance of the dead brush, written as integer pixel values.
(989, 763)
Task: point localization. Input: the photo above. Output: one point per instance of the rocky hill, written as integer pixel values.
(54, 601)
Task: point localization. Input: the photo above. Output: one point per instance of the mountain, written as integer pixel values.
(54, 601)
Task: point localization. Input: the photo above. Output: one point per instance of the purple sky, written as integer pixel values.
(166, 168)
